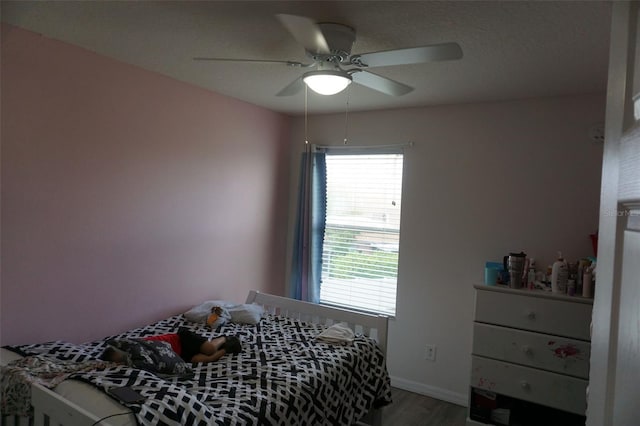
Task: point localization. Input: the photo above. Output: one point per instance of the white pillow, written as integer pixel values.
(246, 313)
(201, 312)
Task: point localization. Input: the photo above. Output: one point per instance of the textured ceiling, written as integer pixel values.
(512, 49)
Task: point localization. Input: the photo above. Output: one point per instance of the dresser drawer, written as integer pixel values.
(541, 387)
(557, 317)
(553, 353)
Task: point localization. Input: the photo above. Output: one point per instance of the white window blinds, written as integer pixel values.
(360, 253)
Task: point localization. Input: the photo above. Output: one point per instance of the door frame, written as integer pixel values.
(619, 120)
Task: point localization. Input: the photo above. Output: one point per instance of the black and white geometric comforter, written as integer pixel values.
(283, 376)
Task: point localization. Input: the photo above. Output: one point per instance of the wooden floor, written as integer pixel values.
(412, 409)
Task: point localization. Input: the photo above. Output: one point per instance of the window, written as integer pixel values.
(362, 233)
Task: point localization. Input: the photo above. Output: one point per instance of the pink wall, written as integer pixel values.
(128, 196)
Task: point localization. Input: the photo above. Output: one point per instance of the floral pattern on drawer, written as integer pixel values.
(538, 350)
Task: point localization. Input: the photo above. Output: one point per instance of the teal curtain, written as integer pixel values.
(306, 265)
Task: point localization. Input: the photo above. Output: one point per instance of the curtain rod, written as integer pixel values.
(400, 145)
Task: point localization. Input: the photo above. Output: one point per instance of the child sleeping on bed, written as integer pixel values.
(190, 346)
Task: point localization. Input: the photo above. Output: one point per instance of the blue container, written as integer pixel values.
(493, 273)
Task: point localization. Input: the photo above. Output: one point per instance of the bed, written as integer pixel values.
(284, 375)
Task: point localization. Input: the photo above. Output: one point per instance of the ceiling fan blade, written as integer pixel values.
(306, 32)
(294, 87)
(262, 61)
(381, 84)
(412, 55)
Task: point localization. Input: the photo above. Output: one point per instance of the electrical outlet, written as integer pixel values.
(430, 352)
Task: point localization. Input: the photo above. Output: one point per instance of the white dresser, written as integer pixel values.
(530, 357)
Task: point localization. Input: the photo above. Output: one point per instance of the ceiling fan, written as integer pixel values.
(328, 46)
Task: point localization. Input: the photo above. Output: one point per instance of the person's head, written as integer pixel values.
(232, 345)
(114, 355)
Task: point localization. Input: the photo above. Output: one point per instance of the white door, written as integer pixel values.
(614, 380)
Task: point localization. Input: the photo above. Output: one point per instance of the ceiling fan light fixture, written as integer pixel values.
(327, 82)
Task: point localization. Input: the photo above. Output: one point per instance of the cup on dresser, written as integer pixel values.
(492, 272)
(515, 263)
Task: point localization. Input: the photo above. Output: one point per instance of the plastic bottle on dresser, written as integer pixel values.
(531, 275)
(587, 283)
(547, 277)
(559, 275)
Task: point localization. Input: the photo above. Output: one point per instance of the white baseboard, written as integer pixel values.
(432, 391)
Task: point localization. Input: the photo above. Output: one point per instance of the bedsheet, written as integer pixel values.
(283, 376)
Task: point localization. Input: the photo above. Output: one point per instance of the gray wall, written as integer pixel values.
(480, 181)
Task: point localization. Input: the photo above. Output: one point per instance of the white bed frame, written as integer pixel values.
(56, 410)
(371, 325)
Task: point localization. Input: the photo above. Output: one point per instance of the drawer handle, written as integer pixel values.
(527, 350)
(525, 385)
(531, 315)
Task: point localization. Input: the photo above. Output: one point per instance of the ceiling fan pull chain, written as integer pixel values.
(306, 133)
(346, 117)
